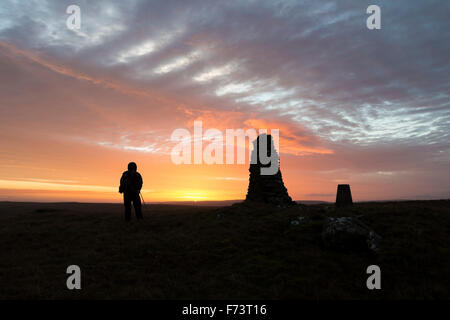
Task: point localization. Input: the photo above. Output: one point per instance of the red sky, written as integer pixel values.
(76, 107)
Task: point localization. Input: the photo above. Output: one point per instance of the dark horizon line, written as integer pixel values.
(193, 202)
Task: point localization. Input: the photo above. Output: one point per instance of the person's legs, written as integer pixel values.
(137, 206)
(127, 203)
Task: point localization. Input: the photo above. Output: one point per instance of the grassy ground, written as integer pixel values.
(187, 252)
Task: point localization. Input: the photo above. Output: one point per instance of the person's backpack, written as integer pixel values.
(131, 182)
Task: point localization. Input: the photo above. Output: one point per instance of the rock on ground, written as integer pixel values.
(347, 233)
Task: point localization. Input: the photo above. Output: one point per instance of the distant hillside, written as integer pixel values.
(225, 203)
(222, 203)
(311, 202)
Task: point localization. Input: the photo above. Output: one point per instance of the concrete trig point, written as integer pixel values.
(343, 195)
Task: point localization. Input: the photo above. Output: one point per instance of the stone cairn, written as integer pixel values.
(343, 195)
(267, 189)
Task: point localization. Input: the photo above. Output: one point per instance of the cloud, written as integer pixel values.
(335, 89)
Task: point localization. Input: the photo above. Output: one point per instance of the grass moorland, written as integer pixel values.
(236, 252)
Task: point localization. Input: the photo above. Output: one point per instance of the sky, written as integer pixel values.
(369, 108)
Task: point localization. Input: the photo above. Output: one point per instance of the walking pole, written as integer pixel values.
(143, 202)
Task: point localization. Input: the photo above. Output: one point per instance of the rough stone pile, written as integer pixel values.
(263, 188)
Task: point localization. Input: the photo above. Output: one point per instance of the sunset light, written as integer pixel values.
(77, 106)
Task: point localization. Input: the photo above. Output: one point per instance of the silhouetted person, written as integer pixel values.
(130, 186)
